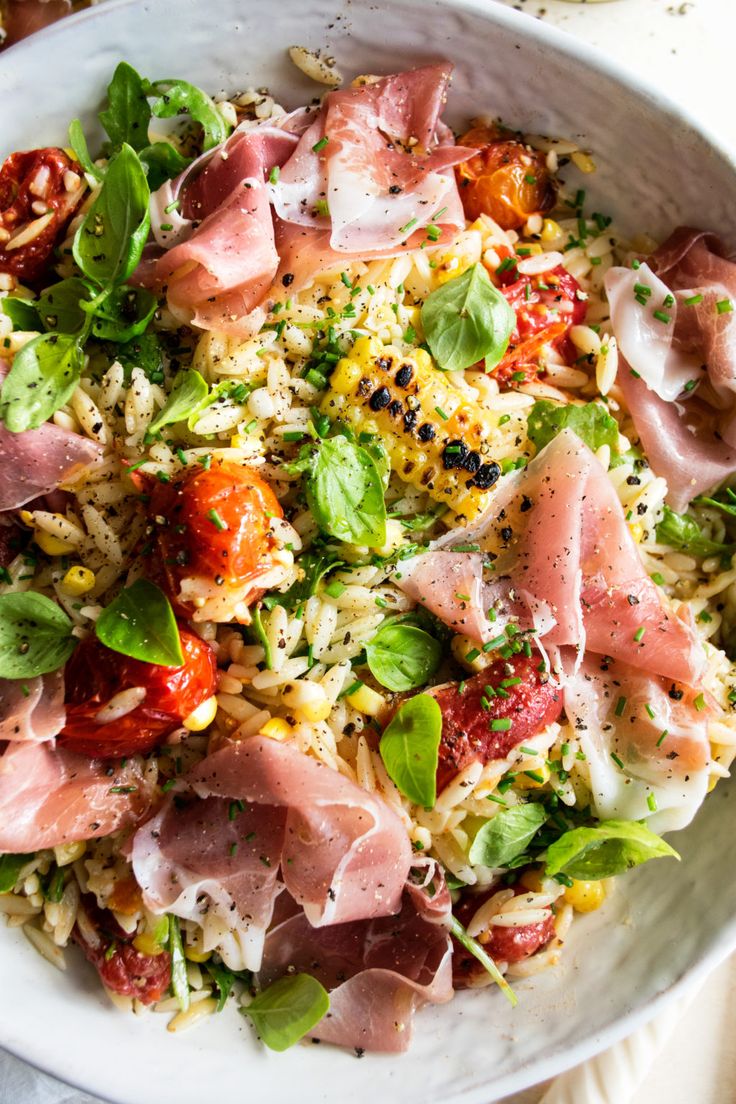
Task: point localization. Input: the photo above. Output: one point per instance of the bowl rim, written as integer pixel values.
(595, 59)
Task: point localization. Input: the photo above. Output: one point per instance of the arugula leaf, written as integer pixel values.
(179, 981)
(35, 635)
(127, 116)
(475, 949)
(728, 507)
(140, 623)
(506, 836)
(42, 378)
(402, 657)
(60, 305)
(345, 493)
(409, 748)
(419, 522)
(124, 314)
(109, 243)
(592, 423)
(224, 979)
(315, 566)
(186, 395)
(227, 389)
(10, 868)
(162, 161)
(143, 352)
(79, 144)
(22, 313)
(610, 848)
(178, 97)
(682, 531)
(287, 1010)
(467, 320)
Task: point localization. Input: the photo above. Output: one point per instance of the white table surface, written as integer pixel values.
(687, 49)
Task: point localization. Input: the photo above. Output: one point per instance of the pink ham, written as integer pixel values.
(565, 564)
(32, 710)
(344, 854)
(50, 797)
(38, 460)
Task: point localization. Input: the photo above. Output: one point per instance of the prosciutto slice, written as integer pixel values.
(32, 710)
(564, 563)
(343, 854)
(49, 797)
(378, 971)
(679, 379)
(38, 460)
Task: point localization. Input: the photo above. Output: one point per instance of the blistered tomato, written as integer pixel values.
(506, 179)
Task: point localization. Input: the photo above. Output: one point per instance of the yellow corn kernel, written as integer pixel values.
(51, 545)
(583, 161)
(202, 716)
(26, 517)
(551, 230)
(77, 581)
(523, 782)
(276, 729)
(147, 945)
(469, 655)
(367, 701)
(193, 955)
(533, 880)
(637, 531)
(533, 250)
(237, 441)
(67, 853)
(585, 896)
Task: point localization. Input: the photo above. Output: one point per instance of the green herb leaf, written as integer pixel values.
(179, 981)
(286, 1011)
(79, 144)
(44, 375)
(60, 305)
(124, 314)
(162, 161)
(186, 395)
(226, 390)
(140, 623)
(178, 97)
(10, 868)
(127, 115)
(315, 566)
(224, 979)
(109, 243)
(345, 493)
(142, 352)
(23, 313)
(682, 531)
(409, 748)
(610, 848)
(592, 423)
(35, 635)
(403, 657)
(474, 947)
(507, 835)
(467, 320)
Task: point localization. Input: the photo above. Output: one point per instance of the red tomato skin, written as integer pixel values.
(501, 944)
(17, 176)
(121, 967)
(94, 674)
(466, 726)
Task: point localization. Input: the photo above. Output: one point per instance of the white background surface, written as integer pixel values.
(687, 48)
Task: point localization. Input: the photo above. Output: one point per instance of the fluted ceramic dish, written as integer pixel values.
(655, 169)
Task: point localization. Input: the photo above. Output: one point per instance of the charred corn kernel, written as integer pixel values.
(469, 654)
(193, 955)
(637, 531)
(583, 161)
(438, 441)
(67, 853)
(532, 779)
(367, 701)
(147, 944)
(551, 230)
(202, 716)
(585, 896)
(51, 545)
(277, 729)
(78, 580)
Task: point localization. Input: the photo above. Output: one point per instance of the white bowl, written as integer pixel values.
(655, 169)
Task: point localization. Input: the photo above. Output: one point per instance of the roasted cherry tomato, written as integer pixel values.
(501, 944)
(531, 705)
(506, 179)
(212, 523)
(39, 192)
(121, 967)
(95, 674)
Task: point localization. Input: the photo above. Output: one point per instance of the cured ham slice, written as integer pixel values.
(32, 710)
(378, 971)
(679, 379)
(563, 563)
(38, 460)
(343, 854)
(50, 797)
(623, 715)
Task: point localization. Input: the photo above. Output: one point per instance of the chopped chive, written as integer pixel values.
(346, 280)
(501, 724)
(693, 300)
(335, 588)
(274, 174)
(639, 634)
(472, 655)
(617, 761)
(527, 750)
(352, 689)
(564, 750)
(173, 206)
(536, 776)
(461, 687)
(658, 578)
(510, 682)
(443, 416)
(642, 289)
(408, 226)
(724, 306)
(496, 798)
(652, 802)
(438, 214)
(649, 710)
(668, 301)
(662, 738)
(662, 316)
(319, 146)
(635, 264)
(620, 706)
(699, 703)
(166, 226)
(690, 385)
(434, 232)
(216, 520)
(465, 547)
(491, 645)
(506, 782)
(293, 435)
(504, 419)
(704, 617)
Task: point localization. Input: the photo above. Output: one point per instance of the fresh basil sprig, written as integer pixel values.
(409, 748)
(140, 623)
(610, 848)
(10, 868)
(35, 635)
(21, 312)
(345, 493)
(43, 377)
(467, 320)
(187, 394)
(109, 243)
(506, 835)
(286, 1011)
(60, 306)
(402, 657)
(124, 314)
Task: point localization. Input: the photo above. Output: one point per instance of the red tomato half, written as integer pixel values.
(501, 944)
(39, 192)
(507, 180)
(121, 967)
(95, 674)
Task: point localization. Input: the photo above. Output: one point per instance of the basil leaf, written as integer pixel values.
(140, 623)
(127, 116)
(592, 423)
(505, 836)
(178, 97)
(124, 314)
(610, 848)
(345, 493)
(187, 394)
(44, 375)
(403, 657)
(287, 1010)
(179, 980)
(467, 320)
(224, 979)
(108, 245)
(22, 313)
(60, 305)
(35, 635)
(10, 868)
(476, 950)
(409, 748)
(682, 531)
(79, 144)
(162, 161)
